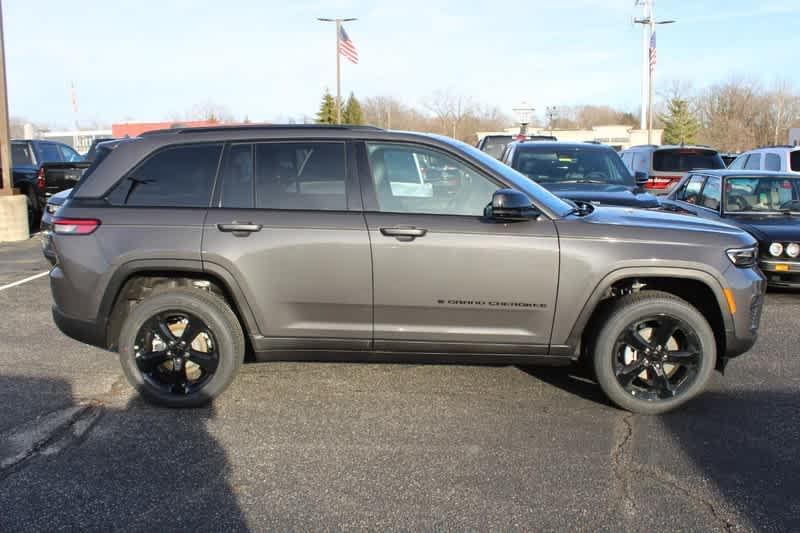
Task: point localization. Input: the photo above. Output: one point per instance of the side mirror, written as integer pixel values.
(510, 205)
(640, 178)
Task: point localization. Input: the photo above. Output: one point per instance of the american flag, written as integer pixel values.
(653, 52)
(346, 46)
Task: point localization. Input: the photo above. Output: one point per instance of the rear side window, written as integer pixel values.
(753, 162)
(49, 153)
(794, 160)
(68, 154)
(21, 155)
(301, 175)
(237, 177)
(686, 159)
(773, 162)
(180, 176)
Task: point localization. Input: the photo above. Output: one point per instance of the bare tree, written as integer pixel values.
(783, 109)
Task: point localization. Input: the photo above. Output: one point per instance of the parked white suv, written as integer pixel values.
(775, 158)
(665, 166)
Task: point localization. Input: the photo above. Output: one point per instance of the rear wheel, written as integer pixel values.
(654, 353)
(181, 347)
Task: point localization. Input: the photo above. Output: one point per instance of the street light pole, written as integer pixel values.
(5, 149)
(338, 22)
(648, 23)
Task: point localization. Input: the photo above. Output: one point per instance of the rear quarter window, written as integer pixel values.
(686, 159)
(181, 176)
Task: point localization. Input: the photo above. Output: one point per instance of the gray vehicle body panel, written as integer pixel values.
(331, 281)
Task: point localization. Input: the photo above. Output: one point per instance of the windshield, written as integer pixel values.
(549, 164)
(539, 194)
(760, 195)
(495, 145)
(686, 159)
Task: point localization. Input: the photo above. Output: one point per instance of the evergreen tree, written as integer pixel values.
(352, 113)
(327, 109)
(680, 126)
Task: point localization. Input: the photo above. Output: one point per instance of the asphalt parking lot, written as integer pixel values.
(354, 446)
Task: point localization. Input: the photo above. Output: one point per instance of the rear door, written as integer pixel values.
(446, 279)
(286, 224)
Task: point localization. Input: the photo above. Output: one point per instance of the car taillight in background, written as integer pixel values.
(662, 182)
(74, 226)
(40, 179)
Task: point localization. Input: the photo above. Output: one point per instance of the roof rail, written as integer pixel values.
(643, 146)
(775, 146)
(249, 127)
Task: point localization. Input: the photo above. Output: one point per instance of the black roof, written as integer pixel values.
(260, 127)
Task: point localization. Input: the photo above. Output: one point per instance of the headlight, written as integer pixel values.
(775, 249)
(743, 257)
(793, 249)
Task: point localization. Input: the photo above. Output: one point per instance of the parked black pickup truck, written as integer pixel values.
(43, 168)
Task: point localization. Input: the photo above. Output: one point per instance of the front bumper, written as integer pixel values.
(781, 273)
(747, 287)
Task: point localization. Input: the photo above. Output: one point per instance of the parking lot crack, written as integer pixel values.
(46, 435)
(620, 459)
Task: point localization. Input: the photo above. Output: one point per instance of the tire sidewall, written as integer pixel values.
(230, 354)
(607, 338)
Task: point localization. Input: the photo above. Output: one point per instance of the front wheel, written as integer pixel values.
(654, 352)
(181, 347)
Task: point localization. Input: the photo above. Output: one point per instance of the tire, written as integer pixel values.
(34, 215)
(222, 337)
(661, 385)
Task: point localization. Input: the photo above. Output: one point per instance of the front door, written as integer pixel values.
(287, 224)
(445, 278)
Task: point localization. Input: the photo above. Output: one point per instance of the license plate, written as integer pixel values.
(782, 267)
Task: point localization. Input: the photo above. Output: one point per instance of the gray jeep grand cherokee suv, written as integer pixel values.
(183, 250)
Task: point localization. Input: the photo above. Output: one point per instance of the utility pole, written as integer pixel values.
(5, 146)
(551, 115)
(648, 23)
(338, 22)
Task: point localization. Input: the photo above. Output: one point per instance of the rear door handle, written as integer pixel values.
(404, 233)
(239, 227)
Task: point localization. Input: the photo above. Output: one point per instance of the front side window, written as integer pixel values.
(544, 164)
(691, 191)
(761, 195)
(301, 175)
(415, 179)
(753, 162)
(68, 154)
(738, 163)
(794, 160)
(711, 194)
(180, 176)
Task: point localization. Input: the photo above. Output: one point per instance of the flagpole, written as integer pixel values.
(338, 72)
(650, 89)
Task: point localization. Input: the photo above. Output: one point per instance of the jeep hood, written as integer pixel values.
(659, 220)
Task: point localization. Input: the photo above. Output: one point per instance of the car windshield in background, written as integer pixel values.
(686, 159)
(548, 164)
(496, 145)
(760, 195)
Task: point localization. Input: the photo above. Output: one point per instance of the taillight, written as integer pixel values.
(661, 182)
(40, 179)
(74, 226)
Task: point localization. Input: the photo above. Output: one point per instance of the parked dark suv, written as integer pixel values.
(185, 249)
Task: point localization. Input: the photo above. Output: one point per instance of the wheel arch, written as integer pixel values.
(701, 289)
(134, 279)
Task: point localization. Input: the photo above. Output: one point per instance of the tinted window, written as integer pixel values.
(753, 162)
(68, 154)
(237, 177)
(445, 186)
(711, 194)
(21, 154)
(691, 191)
(548, 164)
(794, 160)
(772, 162)
(301, 175)
(49, 153)
(685, 159)
(738, 163)
(181, 176)
(496, 145)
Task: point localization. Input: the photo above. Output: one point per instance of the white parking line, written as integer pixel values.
(26, 280)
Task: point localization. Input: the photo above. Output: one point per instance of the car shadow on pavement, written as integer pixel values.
(747, 444)
(573, 380)
(85, 465)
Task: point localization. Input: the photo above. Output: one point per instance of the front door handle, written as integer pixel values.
(239, 228)
(404, 233)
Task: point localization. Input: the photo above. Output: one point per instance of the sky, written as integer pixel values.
(271, 60)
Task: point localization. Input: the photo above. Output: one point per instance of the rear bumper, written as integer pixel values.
(80, 330)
